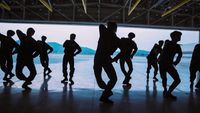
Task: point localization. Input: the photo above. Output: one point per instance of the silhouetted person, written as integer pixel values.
(195, 66)
(71, 50)
(128, 48)
(28, 47)
(152, 59)
(107, 45)
(167, 63)
(44, 49)
(8, 44)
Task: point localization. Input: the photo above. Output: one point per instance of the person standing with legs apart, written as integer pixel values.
(27, 49)
(71, 50)
(44, 49)
(195, 66)
(107, 45)
(167, 63)
(8, 44)
(152, 59)
(128, 48)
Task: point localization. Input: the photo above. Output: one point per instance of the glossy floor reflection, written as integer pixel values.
(49, 95)
(75, 100)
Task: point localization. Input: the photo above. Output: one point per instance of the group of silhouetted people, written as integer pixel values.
(27, 50)
(163, 57)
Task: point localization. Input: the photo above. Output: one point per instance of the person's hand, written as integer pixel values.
(175, 63)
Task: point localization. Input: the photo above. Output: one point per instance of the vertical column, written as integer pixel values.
(148, 17)
(49, 14)
(172, 21)
(199, 36)
(3, 12)
(99, 12)
(74, 9)
(24, 10)
(124, 16)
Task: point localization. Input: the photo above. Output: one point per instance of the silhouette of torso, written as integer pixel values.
(154, 51)
(7, 45)
(195, 61)
(28, 46)
(107, 44)
(169, 51)
(70, 47)
(126, 46)
(43, 47)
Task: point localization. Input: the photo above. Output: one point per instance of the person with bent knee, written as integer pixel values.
(167, 63)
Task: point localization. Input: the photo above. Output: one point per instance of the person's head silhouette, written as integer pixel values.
(30, 31)
(43, 38)
(176, 36)
(160, 42)
(10, 33)
(112, 26)
(72, 36)
(131, 35)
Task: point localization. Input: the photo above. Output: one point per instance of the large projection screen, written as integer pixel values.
(87, 37)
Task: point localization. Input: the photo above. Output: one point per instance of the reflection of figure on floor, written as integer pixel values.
(44, 49)
(71, 50)
(8, 83)
(152, 59)
(195, 66)
(154, 90)
(107, 45)
(27, 49)
(44, 86)
(8, 44)
(167, 63)
(128, 48)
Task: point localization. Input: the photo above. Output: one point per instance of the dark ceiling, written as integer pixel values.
(147, 12)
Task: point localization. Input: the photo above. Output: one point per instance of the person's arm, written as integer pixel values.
(2, 37)
(36, 48)
(135, 50)
(78, 48)
(117, 57)
(179, 52)
(49, 48)
(20, 35)
(16, 47)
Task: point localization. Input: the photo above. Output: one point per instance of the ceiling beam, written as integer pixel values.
(73, 2)
(22, 5)
(47, 5)
(134, 6)
(84, 6)
(175, 7)
(112, 14)
(4, 5)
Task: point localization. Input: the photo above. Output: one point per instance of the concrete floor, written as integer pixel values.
(50, 96)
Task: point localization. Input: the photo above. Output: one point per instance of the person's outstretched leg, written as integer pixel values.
(97, 72)
(122, 66)
(148, 67)
(10, 66)
(163, 75)
(174, 74)
(30, 65)
(72, 69)
(193, 71)
(64, 68)
(110, 71)
(19, 69)
(130, 69)
(155, 65)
